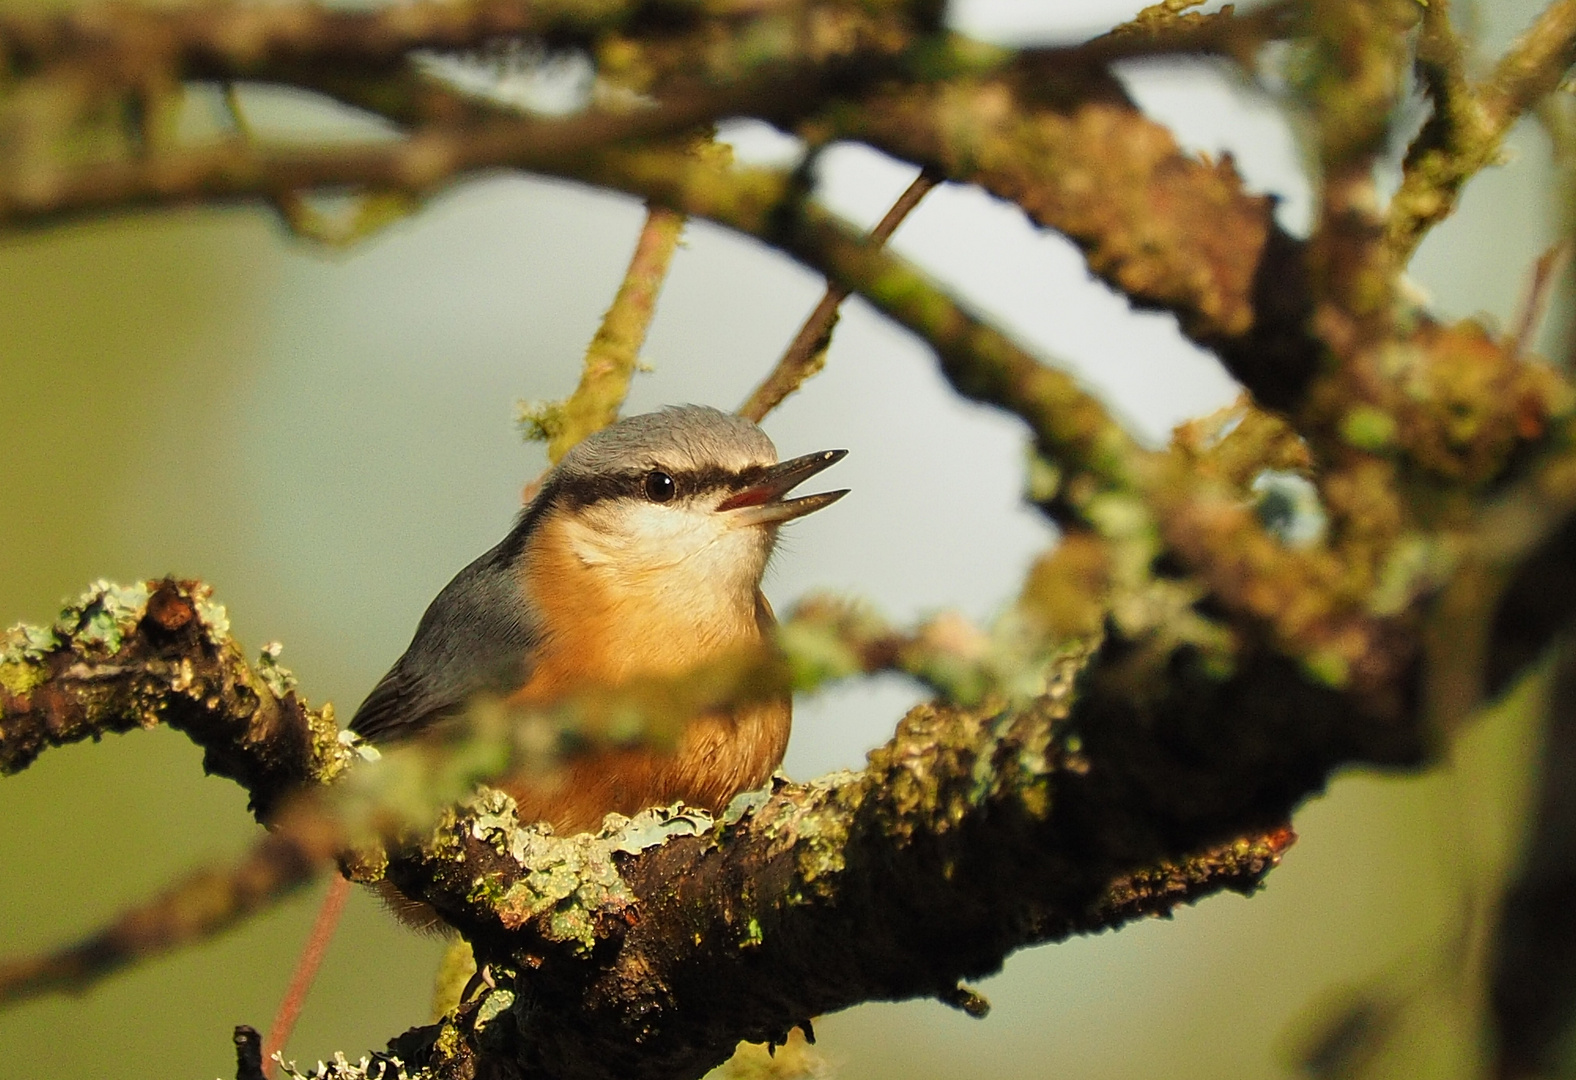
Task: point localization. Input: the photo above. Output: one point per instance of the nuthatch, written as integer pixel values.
(641, 555)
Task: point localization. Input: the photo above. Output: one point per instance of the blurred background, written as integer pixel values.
(327, 437)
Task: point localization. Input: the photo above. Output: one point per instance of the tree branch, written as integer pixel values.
(1175, 678)
(610, 358)
(1168, 230)
(160, 652)
(671, 950)
(1470, 122)
(203, 905)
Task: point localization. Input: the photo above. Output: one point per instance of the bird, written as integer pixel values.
(641, 555)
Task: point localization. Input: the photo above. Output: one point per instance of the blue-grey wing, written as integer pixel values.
(477, 637)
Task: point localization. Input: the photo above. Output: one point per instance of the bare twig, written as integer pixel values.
(1535, 302)
(306, 968)
(806, 354)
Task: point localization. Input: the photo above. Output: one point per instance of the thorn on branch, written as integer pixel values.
(966, 999)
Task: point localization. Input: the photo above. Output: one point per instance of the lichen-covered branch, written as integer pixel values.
(982, 363)
(314, 822)
(121, 658)
(674, 937)
(1533, 66)
(1132, 734)
(1469, 122)
(611, 357)
(1167, 229)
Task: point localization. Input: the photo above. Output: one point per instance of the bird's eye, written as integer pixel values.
(660, 486)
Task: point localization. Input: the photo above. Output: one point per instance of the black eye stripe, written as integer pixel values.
(584, 489)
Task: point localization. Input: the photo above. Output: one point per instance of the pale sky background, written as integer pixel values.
(327, 438)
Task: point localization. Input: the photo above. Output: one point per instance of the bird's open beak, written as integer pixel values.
(762, 503)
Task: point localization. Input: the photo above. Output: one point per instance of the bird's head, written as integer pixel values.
(685, 499)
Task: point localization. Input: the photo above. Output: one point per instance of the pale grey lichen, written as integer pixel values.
(745, 804)
(379, 1068)
(215, 619)
(356, 745)
(31, 643)
(22, 654)
(103, 616)
(658, 825)
(279, 679)
(569, 880)
(494, 1005)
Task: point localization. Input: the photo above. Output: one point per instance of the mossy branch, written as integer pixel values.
(1470, 121)
(160, 652)
(610, 358)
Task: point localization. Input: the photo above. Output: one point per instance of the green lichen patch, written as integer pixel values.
(25, 643)
(540, 421)
(499, 1002)
(569, 882)
(1368, 428)
(279, 680)
(745, 804)
(19, 678)
(101, 619)
(821, 831)
(22, 654)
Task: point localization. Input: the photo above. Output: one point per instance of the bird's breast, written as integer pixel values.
(597, 630)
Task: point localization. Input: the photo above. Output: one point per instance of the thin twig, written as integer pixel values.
(307, 966)
(1533, 66)
(611, 356)
(429, 159)
(1536, 301)
(806, 355)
